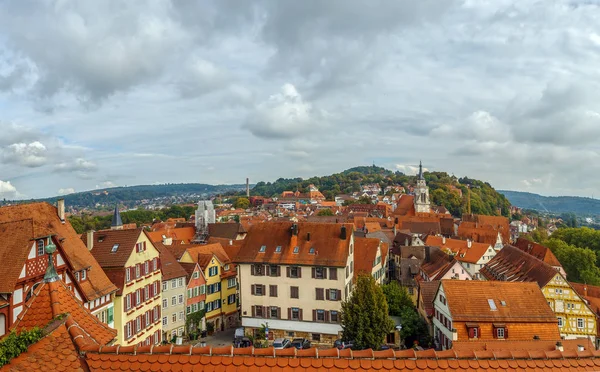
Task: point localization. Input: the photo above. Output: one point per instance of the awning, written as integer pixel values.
(472, 325)
(499, 325)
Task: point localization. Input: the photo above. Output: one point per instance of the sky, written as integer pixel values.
(107, 93)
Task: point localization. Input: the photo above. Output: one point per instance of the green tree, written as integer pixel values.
(579, 263)
(242, 203)
(413, 328)
(365, 318)
(364, 200)
(325, 212)
(397, 298)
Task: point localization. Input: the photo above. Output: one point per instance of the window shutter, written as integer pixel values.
(144, 245)
(278, 313)
(253, 312)
(299, 271)
(316, 293)
(268, 313)
(471, 333)
(314, 315)
(275, 291)
(264, 290)
(265, 311)
(312, 270)
(266, 270)
(327, 294)
(327, 316)
(339, 294)
(300, 314)
(333, 273)
(324, 273)
(289, 313)
(495, 332)
(252, 289)
(287, 271)
(278, 270)
(505, 332)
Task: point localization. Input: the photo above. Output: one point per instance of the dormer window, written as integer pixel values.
(114, 248)
(296, 249)
(40, 247)
(278, 249)
(311, 250)
(83, 275)
(263, 248)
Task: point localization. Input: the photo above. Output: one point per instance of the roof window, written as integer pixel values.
(311, 250)
(502, 302)
(296, 249)
(262, 248)
(114, 248)
(492, 304)
(278, 249)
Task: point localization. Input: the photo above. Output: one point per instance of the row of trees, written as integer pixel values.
(366, 314)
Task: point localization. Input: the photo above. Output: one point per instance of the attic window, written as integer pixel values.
(278, 249)
(311, 250)
(114, 248)
(502, 302)
(296, 249)
(262, 248)
(492, 304)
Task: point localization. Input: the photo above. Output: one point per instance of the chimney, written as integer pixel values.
(343, 233)
(294, 229)
(585, 290)
(60, 204)
(580, 348)
(469, 243)
(444, 240)
(230, 242)
(247, 187)
(90, 239)
(396, 220)
(559, 346)
(308, 237)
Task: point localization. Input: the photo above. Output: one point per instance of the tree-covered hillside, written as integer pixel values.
(445, 190)
(554, 204)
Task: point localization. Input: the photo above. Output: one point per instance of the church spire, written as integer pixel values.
(420, 170)
(51, 275)
(116, 223)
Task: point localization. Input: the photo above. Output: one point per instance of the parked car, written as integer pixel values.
(282, 343)
(343, 344)
(301, 343)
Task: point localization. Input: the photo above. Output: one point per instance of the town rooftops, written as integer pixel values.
(365, 252)
(427, 291)
(228, 230)
(321, 244)
(21, 223)
(169, 266)
(491, 301)
(105, 242)
(179, 235)
(513, 265)
(465, 251)
(538, 251)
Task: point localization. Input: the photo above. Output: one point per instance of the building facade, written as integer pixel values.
(174, 285)
(422, 203)
(294, 277)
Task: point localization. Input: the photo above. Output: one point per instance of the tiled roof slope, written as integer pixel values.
(513, 265)
(207, 251)
(468, 301)
(16, 243)
(365, 251)
(427, 291)
(182, 235)
(53, 299)
(586, 289)
(54, 352)
(481, 234)
(405, 206)
(46, 222)
(229, 230)
(522, 345)
(438, 262)
(460, 248)
(538, 251)
(104, 240)
(330, 249)
(169, 266)
(228, 359)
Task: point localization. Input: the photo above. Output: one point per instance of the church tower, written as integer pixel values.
(422, 204)
(116, 223)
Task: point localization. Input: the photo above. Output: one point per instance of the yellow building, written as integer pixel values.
(574, 316)
(221, 284)
(132, 263)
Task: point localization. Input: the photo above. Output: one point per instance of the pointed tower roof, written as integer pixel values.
(420, 170)
(116, 220)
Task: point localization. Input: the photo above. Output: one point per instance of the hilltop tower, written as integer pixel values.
(422, 203)
(117, 223)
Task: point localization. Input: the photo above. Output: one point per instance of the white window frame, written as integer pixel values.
(127, 275)
(180, 282)
(180, 299)
(173, 300)
(40, 247)
(582, 323)
(165, 285)
(165, 320)
(173, 283)
(560, 322)
(499, 331)
(165, 303)
(83, 274)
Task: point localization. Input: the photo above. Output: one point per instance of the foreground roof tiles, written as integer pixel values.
(184, 358)
(43, 220)
(465, 251)
(104, 241)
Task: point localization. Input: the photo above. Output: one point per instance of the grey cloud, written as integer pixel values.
(78, 164)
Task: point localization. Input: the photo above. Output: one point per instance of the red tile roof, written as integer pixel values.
(538, 251)
(169, 266)
(329, 248)
(365, 251)
(468, 301)
(512, 264)
(182, 235)
(44, 222)
(104, 240)
(16, 243)
(460, 248)
(427, 292)
(185, 358)
(405, 206)
(522, 345)
(53, 299)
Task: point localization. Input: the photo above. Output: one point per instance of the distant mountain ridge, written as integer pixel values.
(555, 204)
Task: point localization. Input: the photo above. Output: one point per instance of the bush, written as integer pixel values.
(15, 344)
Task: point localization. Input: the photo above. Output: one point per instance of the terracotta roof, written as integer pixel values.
(229, 230)
(468, 301)
(204, 252)
(182, 235)
(16, 243)
(53, 299)
(169, 266)
(460, 248)
(228, 359)
(538, 251)
(45, 221)
(365, 251)
(586, 289)
(405, 206)
(329, 248)
(438, 262)
(104, 241)
(522, 345)
(428, 291)
(513, 265)
(499, 223)
(481, 234)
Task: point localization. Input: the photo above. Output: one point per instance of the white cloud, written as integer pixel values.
(25, 154)
(66, 191)
(285, 115)
(78, 164)
(7, 190)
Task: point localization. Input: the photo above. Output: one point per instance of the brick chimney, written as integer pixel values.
(559, 346)
(90, 239)
(60, 205)
(343, 234)
(469, 243)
